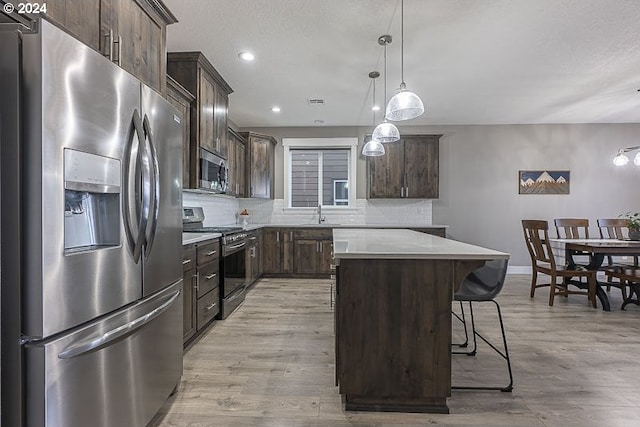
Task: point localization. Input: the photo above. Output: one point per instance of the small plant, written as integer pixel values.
(634, 220)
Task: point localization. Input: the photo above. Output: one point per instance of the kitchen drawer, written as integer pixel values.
(208, 277)
(313, 233)
(188, 257)
(208, 252)
(208, 307)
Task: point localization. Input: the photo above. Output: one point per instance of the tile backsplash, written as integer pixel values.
(224, 210)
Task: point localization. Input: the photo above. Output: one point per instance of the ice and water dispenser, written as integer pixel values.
(92, 186)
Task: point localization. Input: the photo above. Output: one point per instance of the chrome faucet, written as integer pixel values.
(321, 219)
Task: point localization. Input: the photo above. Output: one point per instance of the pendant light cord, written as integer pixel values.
(374, 102)
(385, 79)
(402, 40)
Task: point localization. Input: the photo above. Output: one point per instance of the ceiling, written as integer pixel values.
(471, 61)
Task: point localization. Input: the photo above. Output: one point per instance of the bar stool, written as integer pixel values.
(483, 285)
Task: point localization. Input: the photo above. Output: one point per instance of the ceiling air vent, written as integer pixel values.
(315, 102)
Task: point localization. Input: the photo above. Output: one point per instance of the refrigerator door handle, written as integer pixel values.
(155, 185)
(146, 184)
(97, 342)
(132, 218)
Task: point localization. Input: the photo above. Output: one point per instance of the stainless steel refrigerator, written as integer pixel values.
(91, 163)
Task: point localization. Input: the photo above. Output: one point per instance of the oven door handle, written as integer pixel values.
(236, 293)
(234, 247)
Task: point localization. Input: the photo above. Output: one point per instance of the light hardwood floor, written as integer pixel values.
(271, 364)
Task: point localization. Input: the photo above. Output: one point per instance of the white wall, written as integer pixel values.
(479, 176)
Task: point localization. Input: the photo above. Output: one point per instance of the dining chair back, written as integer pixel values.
(536, 236)
(481, 285)
(613, 228)
(572, 228)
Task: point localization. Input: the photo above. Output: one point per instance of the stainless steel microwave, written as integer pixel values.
(214, 172)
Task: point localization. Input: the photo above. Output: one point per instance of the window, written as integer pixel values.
(314, 174)
(320, 171)
(340, 192)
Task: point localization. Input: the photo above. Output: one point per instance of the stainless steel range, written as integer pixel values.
(233, 283)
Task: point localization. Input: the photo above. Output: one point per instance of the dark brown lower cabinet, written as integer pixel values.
(312, 253)
(254, 256)
(201, 296)
(278, 251)
(393, 332)
(189, 283)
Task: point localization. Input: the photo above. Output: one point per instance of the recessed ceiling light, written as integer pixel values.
(318, 122)
(376, 108)
(246, 56)
(275, 109)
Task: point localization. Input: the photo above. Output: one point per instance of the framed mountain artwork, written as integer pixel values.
(544, 182)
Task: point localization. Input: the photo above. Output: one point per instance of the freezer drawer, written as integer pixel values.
(114, 372)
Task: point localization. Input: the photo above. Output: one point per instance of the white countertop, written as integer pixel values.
(188, 238)
(404, 244)
(346, 225)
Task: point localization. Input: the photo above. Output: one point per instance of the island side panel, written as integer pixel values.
(394, 334)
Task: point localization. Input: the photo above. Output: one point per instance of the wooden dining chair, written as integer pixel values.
(536, 237)
(574, 228)
(617, 228)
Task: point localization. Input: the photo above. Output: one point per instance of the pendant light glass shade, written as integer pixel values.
(620, 159)
(386, 132)
(404, 105)
(373, 148)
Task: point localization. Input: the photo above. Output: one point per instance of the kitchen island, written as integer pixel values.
(393, 316)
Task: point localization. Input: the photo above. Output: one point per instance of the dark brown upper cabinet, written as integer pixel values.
(131, 33)
(237, 149)
(209, 109)
(408, 169)
(260, 164)
(181, 99)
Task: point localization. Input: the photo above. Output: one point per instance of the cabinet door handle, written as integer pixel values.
(210, 276)
(108, 41)
(210, 306)
(321, 247)
(211, 253)
(118, 60)
(402, 192)
(277, 236)
(407, 191)
(186, 261)
(196, 282)
(291, 236)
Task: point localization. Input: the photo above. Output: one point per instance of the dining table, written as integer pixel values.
(565, 250)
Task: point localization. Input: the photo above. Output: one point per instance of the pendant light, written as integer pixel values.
(621, 159)
(385, 132)
(404, 105)
(374, 147)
